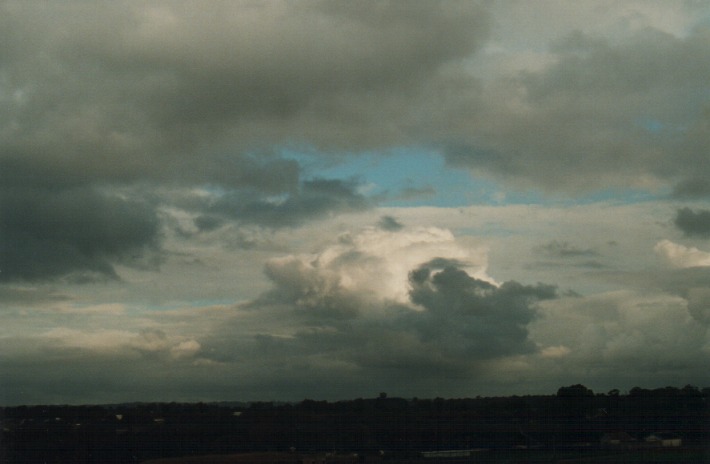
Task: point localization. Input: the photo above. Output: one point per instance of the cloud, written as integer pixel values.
(185, 349)
(692, 188)
(563, 249)
(311, 288)
(29, 296)
(555, 351)
(699, 304)
(562, 253)
(124, 343)
(681, 256)
(49, 233)
(621, 338)
(580, 115)
(207, 143)
(373, 263)
(341, 320)
(693, 223)
(314, 198)
(474, 317)
(208, 222)
(172, 92)
(142, 96)
(381, 302)
(161, 89)
(389, 223)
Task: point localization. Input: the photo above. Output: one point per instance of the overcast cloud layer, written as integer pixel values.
(185, 213)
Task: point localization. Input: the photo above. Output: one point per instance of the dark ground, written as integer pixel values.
(567, 427)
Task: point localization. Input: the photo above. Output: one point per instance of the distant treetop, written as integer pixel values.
(574, 391)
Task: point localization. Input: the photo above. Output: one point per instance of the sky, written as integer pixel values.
(279, 200)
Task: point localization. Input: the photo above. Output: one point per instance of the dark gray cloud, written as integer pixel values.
(699, 304)
(61, 376)
(673, 281)
(175, 93)
(563, 249)
(414, 193)
(389, 223)
(605, 113)
(48, 233)
(208, 222)
(692, 188)
(23, 296)
(312, 199)
(693, 223)
(140, 96)
(590, 265)
(562, 253)
(164, 91)
(473, 316)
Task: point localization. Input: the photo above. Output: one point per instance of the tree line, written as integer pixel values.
(384, 425)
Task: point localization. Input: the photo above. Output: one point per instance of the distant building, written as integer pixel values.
(619, 438)
(313, 460)
(462, 453)
(664, 439)
(328, 458)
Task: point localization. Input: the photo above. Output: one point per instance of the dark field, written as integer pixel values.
(685, 455)
(668, 425)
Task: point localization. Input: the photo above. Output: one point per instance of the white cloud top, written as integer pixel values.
(682, 256)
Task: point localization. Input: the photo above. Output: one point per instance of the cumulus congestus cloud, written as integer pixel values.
(474, 317)
(357, 302)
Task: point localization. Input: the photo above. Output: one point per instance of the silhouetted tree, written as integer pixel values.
(574, 391)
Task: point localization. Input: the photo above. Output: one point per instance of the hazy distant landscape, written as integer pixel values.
(573, 425)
